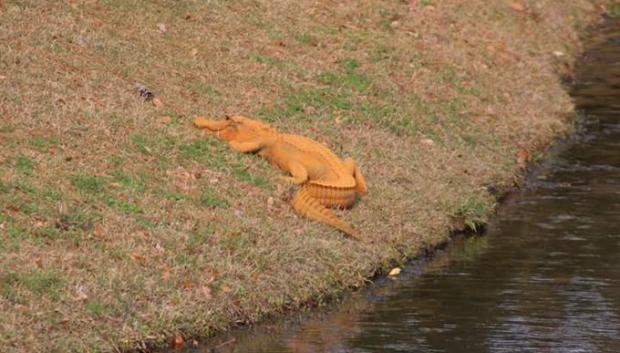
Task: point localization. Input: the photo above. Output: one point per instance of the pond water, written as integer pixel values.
(544, 278)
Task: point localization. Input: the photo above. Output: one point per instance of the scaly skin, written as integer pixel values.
(326, 180)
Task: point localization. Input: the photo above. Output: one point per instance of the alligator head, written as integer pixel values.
(235, 128)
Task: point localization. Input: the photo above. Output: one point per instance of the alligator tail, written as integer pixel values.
(310, 207)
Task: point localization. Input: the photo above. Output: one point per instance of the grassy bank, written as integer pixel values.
(120, 223)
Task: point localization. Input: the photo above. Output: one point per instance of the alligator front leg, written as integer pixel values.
(299, 174)
(245, 147)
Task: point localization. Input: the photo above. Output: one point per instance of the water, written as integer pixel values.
(545, 278)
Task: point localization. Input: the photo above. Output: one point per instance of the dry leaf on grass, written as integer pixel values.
(98, 230)
(165, 275)
(157, 102)
(80, 293)
(188, 285)
(517, 6)
(178, 342)
(395, 271)
(523, 157)
(205, 292)
(137, 257)
(427, 142)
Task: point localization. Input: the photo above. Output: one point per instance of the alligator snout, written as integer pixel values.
(212, 125)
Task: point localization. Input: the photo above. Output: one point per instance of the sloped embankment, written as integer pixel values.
(120, 223)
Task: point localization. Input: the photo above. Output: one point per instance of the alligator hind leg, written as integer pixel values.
(360, 183)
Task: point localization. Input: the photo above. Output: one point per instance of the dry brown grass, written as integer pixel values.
(118, 225)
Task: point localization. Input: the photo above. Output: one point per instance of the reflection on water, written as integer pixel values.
(546, 277)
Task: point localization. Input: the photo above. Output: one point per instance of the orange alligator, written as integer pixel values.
(326, 180)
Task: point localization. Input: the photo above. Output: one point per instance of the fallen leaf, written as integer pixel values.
(98, 230)
(160, 249)
(188, 285)
(157, 102)
(395, 271)
(206, 292)
(427, 142)
(178, 342)
(523, 157)
(166, 274)
(517, 7)
(80, 293)
(39, 262)
(137, 257)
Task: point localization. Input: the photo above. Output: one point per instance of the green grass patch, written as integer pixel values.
(320, 99)
(203, 151)
(96, 308)
(16, 232)
(24, 165)
(90, 184)
(349, 79)
(49, 232)
(42, 283)
(133, 184)
(122, 206)
(8, 282)
(172, 196)
(41, 143)
(241, 174)
(263, 59)
(7, 129)
(209, 199)
(141, 143)
(614, 10)
(474, 212)
(205, 89)
(76, 220)
(50, 193)
(25, 187)
(307, 39)
(200, 236)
